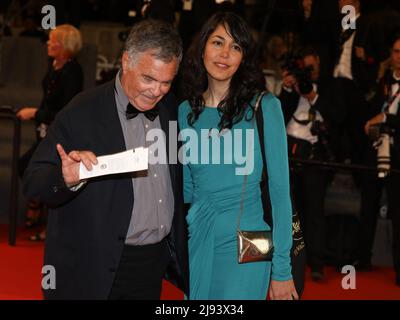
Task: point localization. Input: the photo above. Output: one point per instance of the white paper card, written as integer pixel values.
(124, 162)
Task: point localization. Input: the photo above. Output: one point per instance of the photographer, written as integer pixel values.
(309, 107)
(383, 152)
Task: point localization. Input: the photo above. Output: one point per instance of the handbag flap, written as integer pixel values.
(260, 241)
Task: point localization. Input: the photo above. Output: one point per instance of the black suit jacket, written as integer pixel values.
(87, 229)
(59, 87)
(365, 72)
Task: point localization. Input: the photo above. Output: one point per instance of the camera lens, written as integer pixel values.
(305, 87)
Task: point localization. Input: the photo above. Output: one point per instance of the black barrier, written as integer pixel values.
(7, 113)
(333, 166)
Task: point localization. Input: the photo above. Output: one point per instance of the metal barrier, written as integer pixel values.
(7, 113)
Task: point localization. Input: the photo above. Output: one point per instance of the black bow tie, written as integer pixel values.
(132, 112)
(345, 35)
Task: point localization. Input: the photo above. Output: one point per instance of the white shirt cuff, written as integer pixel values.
(287, 89)
(315, 99)
(78, 187)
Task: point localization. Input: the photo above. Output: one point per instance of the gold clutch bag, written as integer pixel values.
(254, 246)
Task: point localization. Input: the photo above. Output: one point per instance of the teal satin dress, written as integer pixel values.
(214, 191)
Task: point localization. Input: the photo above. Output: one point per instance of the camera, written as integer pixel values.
(375, 132)
(381, 136)
(295, 66)
(320, 130)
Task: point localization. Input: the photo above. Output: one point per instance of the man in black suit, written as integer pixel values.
(319, 29)
(309, 106)
(384, 112)
(357, 63)
(115, 237)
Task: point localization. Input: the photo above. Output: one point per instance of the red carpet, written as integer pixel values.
(20, 277)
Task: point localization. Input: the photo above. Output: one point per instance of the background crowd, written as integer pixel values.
(332, 83)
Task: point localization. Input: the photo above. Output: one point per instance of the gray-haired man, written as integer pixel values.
(115, 237)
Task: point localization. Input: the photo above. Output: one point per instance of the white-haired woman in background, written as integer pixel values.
(62, 82)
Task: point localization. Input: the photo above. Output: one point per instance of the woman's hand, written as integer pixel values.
(27, 114)
(374, 121)
(283, 290)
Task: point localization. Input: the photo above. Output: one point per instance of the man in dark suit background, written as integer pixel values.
(115, 237)
(356, 70)
(383, 112)
(319, 29)
(310, 106)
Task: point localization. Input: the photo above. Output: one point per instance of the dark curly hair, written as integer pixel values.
(245, 84)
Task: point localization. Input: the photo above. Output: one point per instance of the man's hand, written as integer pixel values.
(27, 114)
(283, 290)
(288, 80)
(70, 164)
(374, 121)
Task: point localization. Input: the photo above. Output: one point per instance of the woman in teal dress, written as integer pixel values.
(222, 82)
